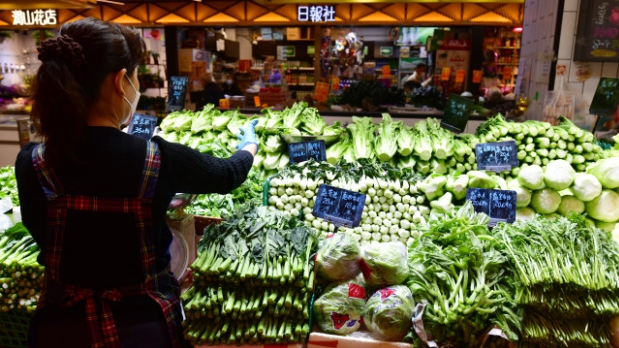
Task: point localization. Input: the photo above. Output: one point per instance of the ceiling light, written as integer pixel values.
(112, 2)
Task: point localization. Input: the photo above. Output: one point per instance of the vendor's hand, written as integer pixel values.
(247, 135)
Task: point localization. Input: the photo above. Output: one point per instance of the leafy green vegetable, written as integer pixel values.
(607, 172)
(545, 201)
(339, 309)
(8, 185)
(559, 175)
(531, 177)
(337, 259)
(388, 312)
(362, 132)
(604, 207)
(384, 264)
(386, 143)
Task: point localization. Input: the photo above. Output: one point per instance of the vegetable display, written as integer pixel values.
(567, 280)
(253, 280)
(456, 268)
(20, 274)
(337, 259)
(8, 185)
(388, 312)
(339, 309)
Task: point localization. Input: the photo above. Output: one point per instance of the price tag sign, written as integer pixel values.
(303, 151)
(177, 91)
(497, 157)
(499, 205)
(322, 91)
(445, 74)
(335, 84)
(338, 206)
(386, 71)
(460, 74)
(606, 98)
(457, 113)
(477, 76)
(257, 101)
(224, 103)
(142, 126)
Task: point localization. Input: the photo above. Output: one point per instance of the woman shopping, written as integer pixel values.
(95, 198)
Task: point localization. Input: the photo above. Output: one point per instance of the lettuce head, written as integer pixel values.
(339, 310)
(389, 311)
(384, 264)
(338, 258)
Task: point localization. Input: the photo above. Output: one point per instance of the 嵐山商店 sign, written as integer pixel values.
(35, 17)
(316, 13)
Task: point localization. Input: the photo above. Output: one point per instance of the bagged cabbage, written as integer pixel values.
(339, 310)
(384, 264)
(338, 258)
(389, 311)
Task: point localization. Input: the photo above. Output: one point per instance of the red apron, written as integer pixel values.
(163, 288)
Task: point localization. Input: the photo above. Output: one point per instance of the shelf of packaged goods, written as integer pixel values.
(301, 68)
(301, 84)
(508, 48)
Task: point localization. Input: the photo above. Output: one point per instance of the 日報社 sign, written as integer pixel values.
(35, 17)
(316, 13)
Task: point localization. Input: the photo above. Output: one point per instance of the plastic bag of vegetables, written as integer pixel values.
(339, 310)
(389, 311)
(384, 264)
(337, 259)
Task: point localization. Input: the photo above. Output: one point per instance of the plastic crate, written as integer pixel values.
(14, 329)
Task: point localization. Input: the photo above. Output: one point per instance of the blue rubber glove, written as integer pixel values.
(247, 135)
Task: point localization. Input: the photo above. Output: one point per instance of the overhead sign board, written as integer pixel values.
(35, 17)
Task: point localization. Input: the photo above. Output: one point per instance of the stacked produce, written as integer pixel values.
(216, 205)
(425, 148)
(457, 270)
(568, 282)
(393, 204)
(8, 185)
(20, 274)
(199, 129)
(253, 280)
(540, 142)
(559, 190)
(362, 286)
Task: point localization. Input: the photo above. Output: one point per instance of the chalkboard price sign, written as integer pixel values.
(457, 113)
(142, 126)
(606, 98)
(303, 151)
(338, 206)
(597, 37)
(499, 205)
(177, 91)
(497, 157)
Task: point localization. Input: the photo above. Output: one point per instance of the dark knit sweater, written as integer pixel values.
(101, 250)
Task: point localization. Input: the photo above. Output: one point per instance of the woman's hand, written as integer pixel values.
(248, 138)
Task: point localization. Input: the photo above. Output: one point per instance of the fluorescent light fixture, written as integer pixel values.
(517, 30)
(112, 2)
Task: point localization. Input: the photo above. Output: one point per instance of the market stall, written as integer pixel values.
(403, 234)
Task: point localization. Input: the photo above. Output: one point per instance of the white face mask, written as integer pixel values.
(133, 105)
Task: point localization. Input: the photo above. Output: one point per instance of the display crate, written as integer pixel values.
(14, 329)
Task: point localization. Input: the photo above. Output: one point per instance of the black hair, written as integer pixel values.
(68, 83)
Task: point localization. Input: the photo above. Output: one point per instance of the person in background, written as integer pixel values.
(240, 83)
(418, 78)
(95, 198)
(210, 94)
